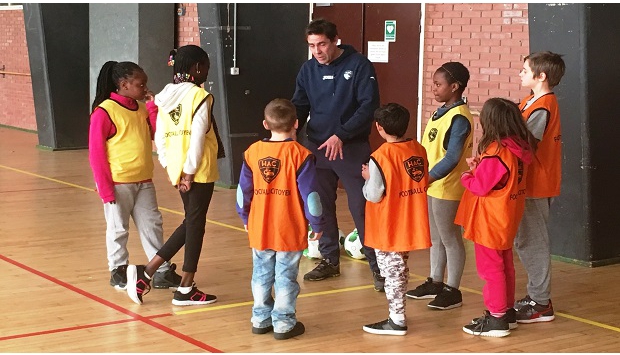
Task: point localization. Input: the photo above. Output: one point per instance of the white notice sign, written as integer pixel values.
(378, 51)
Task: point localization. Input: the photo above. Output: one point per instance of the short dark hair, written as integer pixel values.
(549, 63)
(394, 119)
(455, 72)
(280, 115)
(322, 27)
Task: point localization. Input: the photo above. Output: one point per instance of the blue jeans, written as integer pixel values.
(278, 270)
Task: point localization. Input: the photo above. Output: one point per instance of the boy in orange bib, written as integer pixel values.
(396, 210)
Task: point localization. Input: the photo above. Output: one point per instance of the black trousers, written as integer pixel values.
(192, 231)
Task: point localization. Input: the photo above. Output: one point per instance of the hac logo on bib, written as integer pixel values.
(269, 168)
(348, 74)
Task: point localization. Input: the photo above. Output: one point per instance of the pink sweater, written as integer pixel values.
(101, 129)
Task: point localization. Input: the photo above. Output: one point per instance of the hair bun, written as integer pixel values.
(173, 54)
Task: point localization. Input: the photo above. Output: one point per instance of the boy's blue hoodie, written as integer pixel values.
(341, 97)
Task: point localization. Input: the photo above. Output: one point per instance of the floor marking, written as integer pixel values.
(116, 307)
(250, 303)
(568, 316)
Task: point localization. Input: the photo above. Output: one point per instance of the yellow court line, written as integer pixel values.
(568, 316)
(47, 178)
(93, 190)
(240, 304)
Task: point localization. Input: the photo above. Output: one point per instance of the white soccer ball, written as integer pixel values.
(341, 238)
(353, 246)
(312, 251)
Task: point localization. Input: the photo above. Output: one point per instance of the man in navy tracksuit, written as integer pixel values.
(338, 88)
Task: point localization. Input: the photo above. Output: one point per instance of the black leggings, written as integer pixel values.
(192, 231)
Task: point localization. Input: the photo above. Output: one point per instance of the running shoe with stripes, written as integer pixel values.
(138, 284)
(194, 297)
(534, 312)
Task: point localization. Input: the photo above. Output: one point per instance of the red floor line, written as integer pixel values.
(78, 327)
(112, 305)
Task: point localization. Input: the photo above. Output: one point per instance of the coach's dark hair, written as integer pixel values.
(322, 27)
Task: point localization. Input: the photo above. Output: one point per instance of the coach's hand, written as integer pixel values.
(333, 147)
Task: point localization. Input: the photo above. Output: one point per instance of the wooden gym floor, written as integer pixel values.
(56, 298)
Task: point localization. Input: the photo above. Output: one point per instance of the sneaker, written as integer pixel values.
(522, 302)
(167, 279)
(264, 330)
(378, 281)
(386, 327)
(511, 318)
(298, 329)
(534, 312)
(194, 297)
(428, 289)
(138, 284)
(324, 270)
(118, 277)
(447, 298)
(488, 326)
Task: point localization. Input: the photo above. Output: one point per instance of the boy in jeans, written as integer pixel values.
(396, 210)
(276, 198)
(541, 72)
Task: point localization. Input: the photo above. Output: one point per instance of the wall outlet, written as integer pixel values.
(234, 71)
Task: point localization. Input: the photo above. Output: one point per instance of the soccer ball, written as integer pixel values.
(353, 246)
(312, 251)
(341, 238)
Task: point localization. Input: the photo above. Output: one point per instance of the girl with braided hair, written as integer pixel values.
(448, 142)
(187, 147)
(120, 155)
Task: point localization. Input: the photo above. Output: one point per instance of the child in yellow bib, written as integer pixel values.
(187, 147)
(448, 142)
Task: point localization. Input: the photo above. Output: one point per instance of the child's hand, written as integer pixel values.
(472, 162)
(317, 236)
(186, 182)
(150, 96)
(365, 173)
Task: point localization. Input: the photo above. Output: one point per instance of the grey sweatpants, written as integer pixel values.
(448, 249)
(138, 201)
(534, 250)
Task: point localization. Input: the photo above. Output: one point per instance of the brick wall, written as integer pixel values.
(489, 39)
(187, 26)
(16, 101)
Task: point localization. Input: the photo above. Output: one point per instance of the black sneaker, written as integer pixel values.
(194, 297)
(386, 327)
(264, 330)
(535, 312)
(138, 284)
(488, 326)
(324, 270)
(447, 298)
(511, 318)
(428, 289)
(298, 329)
(522, 302)
(167, 279)
(118, 277)
(378, 281)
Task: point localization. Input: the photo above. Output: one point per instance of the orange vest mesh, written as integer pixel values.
(399, 222)
(493, 220)
(276, 220)
(545, 173)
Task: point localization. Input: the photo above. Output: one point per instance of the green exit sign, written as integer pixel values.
(390, 31)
